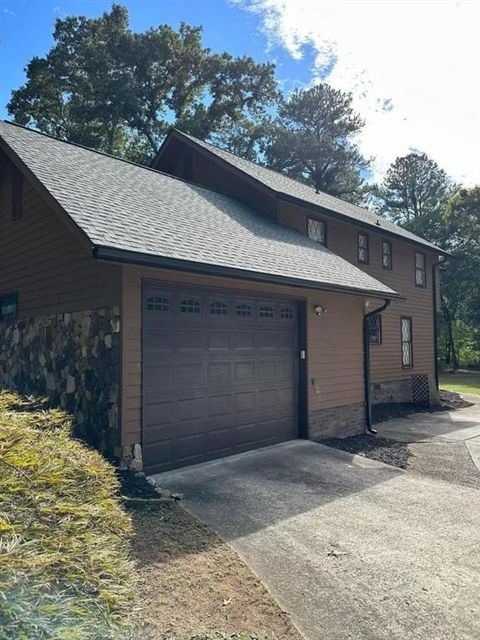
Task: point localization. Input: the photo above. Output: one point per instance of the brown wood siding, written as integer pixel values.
(334, 342)
(41, 258)
(386, 363)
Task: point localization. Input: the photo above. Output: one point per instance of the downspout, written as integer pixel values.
(366, 366)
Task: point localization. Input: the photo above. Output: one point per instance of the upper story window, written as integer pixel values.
(375, 329)
(17, 194)
(420, 270)
(317, 230)
(387, 255)
(363, 248)
(8, 306)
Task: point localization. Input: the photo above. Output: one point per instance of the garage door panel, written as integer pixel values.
(189, 409)
(191, 339)
(187, 375)
(245, 401)
(219, 374)
(156, 413)
(267, 339)
(244, 371)
(243, 340)
(219, 405)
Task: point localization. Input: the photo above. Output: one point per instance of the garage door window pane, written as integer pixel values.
(156, 303)
(244, 310)
(218, 309)
(266, 312)
(190, 306)
(286, 313)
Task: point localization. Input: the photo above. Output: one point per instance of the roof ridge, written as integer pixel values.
(275, 171)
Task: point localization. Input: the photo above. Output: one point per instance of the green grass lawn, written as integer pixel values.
(462, 381)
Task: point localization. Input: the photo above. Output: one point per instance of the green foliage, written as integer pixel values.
(65, 570)
(414, 193)
(313, 138)
(112, 89)
(461, 278)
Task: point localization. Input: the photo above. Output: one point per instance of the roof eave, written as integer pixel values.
(114, 254)
(176, 133)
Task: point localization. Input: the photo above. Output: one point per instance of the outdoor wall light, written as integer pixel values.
(319, 310)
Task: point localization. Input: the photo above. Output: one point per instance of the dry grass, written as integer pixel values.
(65, 570)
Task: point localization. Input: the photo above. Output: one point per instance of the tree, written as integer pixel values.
(461, 274)
(414, 192)
(109, 88)
(313, 141)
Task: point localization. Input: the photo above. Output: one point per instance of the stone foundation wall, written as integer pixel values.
(392, 391)
(74, 360)
(339, 422)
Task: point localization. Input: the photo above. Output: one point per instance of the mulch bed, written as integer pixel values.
(448, 401)
(382, 449)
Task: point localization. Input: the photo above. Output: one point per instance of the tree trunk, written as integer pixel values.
(451, 357)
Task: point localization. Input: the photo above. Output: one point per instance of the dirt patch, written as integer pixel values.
(192, 585)
(382, 449)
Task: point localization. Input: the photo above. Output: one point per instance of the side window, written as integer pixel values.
(387, 255)
(420, 270)
(406, 338)
(9, 306)
(363, 248)
(375, 329)
(317, 230)
(17, 194)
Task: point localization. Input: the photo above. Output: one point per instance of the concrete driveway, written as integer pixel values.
(350, 547)
(459, 426)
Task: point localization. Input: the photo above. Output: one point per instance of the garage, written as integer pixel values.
(220, 373)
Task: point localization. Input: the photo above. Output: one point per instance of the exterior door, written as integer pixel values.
(219, 373)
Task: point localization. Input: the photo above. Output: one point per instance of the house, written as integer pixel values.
(204, 306)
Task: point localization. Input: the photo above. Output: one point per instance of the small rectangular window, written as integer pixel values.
(9, 306)
(375, 329)
(387, 255)
(317, 231)
(406, 338)
(363, 248)
(17, 194)
(420, 270)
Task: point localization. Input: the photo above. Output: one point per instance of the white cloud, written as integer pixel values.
(413, 68)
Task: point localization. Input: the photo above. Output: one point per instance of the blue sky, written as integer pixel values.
(26, 30)
(412, 66)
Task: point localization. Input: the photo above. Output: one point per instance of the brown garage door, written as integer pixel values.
(219, 374)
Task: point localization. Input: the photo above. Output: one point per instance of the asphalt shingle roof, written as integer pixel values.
(284, 185)
(129, 207)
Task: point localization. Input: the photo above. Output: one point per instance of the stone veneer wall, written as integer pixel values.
(74, 360)
(338, 422)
